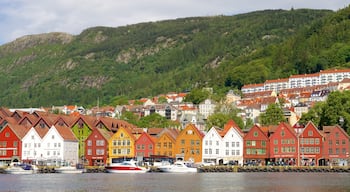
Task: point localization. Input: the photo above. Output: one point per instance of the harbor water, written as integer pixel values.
(162, 182)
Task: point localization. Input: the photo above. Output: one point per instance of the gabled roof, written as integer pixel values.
(5, 112)
(329, 129)
(172, 133)
(105, 133)
(113, 124)
(41, 131)
(19, 130)
(145, 134)
(66, 133)
(231, 124)
(89, 120)
(30, 118)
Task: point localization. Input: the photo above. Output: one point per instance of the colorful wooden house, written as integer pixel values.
(82, 127)
(11, 142)
(256, 147)
(232, 138)
(144, 145)
(336, 146)
(121, 145)
(96, 146)
(311, 146)
(284, 146)
(189, 144)
(166, 142)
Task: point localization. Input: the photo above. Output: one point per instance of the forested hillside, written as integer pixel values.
(147, 59)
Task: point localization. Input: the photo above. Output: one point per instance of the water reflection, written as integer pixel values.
(152, 182)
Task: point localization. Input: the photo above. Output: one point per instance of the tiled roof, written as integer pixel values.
(253, 85)
(66, 133)
(335, 71)
(285, 80)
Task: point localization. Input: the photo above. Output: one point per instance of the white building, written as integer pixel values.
(60, 145)
(207, 107)
(223, 146)
(31, 145)
(212, 148)
(233, 145)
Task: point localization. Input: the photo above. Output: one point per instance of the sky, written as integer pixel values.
(26, 17)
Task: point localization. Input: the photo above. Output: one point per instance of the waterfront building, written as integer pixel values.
(145, 146)
(311, 146)
(284, 145)
(82, 127)
(212, 148)
(121, 144)
(59, 145)
(11, 141)
(336, 145)
(256, 147)
(32, 144)
(189, 144)
(97, 146)
(165, 143)
(232, 138)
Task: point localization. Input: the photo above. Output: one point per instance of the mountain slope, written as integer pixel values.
(147, 58)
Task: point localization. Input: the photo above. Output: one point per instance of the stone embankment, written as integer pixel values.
(272, 169)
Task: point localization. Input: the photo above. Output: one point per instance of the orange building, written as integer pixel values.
(189, 144)
(165, 144)
(121, 144)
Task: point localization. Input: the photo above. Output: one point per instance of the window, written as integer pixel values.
(248, 143)
(233, 144)
(317, 141)
(237, 144)
(227, 144)
(100, 151)
(263, 143)
(283, 133)
(255, 134)
(206, 142)
(275, 141)
(309, 133)
(121, 134)
(7, 134)
(89, 143)
(15, 143)
(138, 147)
(217, 143)
(182, 141)
(237, 152)
(253, 143)
(170, 144)
(150, 146)
(275, 149)
(205, 151)
(217, 151)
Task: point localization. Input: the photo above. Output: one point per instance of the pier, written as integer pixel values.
(273, 169)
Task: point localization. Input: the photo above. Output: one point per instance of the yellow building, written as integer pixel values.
(189, 144)
(165, 144)
(121, 144)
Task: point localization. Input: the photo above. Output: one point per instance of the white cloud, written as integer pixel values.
(24, 17)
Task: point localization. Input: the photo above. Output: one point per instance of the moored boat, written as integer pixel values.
(126, 167)
(178, 167)
(68, 169)
(21, 169)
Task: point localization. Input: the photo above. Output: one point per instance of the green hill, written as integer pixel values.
(147, 59)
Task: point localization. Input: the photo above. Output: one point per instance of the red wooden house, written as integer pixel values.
(310, 145)
(256, 147)
(284, 145)
(336, 145)
(96, 147)
(11, 143)
(144, 145)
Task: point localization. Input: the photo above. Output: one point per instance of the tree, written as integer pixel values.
(249, 123)
(196, 96)
(119, 100)
(272, 116)
(223, 113)
(154, 120)
(336, 108)
(130, 117)
(314, 114)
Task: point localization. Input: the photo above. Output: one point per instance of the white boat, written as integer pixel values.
(21, 169)
(126, 167)
(178, 167)
(68, 169)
